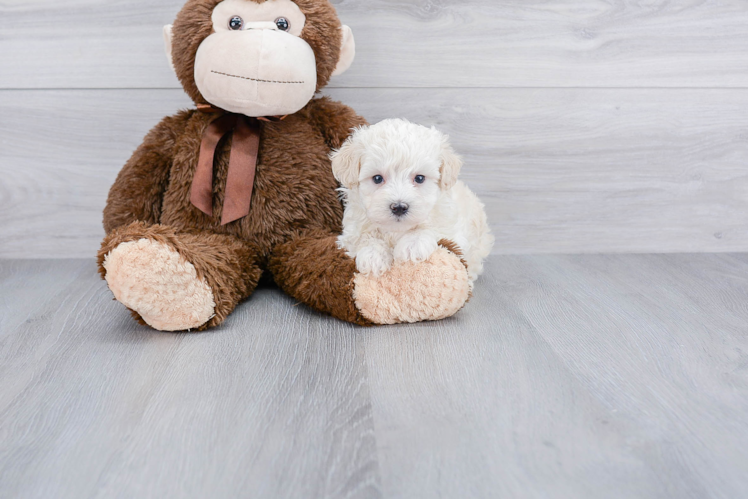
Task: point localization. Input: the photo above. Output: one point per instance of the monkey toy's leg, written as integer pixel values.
(176, 281)
(312, 269)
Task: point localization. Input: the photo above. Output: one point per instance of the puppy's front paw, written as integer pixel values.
(415, 248)
(373, 260)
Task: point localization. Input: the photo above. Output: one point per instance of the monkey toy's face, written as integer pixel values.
(254, 56)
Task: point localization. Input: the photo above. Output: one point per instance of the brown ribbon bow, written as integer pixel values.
(242, 164)
(245, 146)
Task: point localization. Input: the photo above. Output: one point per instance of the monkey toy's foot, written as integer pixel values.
(411, 292)
(156, 282)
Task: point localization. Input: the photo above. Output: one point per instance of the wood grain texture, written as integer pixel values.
(273, 404)
(560, 170)
(565, 376)
(60, 155)
(581, 376)
(420, 43)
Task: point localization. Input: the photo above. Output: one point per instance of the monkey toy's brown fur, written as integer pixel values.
(295, 213)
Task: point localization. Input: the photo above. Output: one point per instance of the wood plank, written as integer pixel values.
(272, 404)
(560, 170)
(20, 283)
(450, 43)
(571, 377)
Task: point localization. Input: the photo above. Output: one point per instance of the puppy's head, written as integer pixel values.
(395, 170)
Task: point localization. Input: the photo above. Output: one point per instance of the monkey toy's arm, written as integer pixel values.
(334, 119)
(137, 193)
(314, 270)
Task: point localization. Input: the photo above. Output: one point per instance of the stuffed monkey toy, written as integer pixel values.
(243, 184)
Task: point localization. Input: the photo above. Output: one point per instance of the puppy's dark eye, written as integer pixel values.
(378, 179)
(236, 23)
(420, 179)
(282, 24)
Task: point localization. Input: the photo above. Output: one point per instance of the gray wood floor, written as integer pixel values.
(598, 375)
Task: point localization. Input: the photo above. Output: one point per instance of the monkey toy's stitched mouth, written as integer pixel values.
(254, 79)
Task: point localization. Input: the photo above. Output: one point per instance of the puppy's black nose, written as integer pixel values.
(399, 209)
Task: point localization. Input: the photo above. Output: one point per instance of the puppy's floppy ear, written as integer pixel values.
(346, 161)
(451, 165)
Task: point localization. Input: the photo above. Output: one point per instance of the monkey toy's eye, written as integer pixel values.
(420, 179)
(378, 179)
(282, 24)
(236, 23)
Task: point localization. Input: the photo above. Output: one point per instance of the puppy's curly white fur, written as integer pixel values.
(402, 196)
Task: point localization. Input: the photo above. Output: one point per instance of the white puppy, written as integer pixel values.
(402, 196)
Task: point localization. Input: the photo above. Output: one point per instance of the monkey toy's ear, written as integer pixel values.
(346, 161)
(347, 51)
(451, 165)
(167, 44)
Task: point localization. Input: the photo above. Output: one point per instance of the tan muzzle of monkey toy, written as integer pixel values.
(257, 72)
